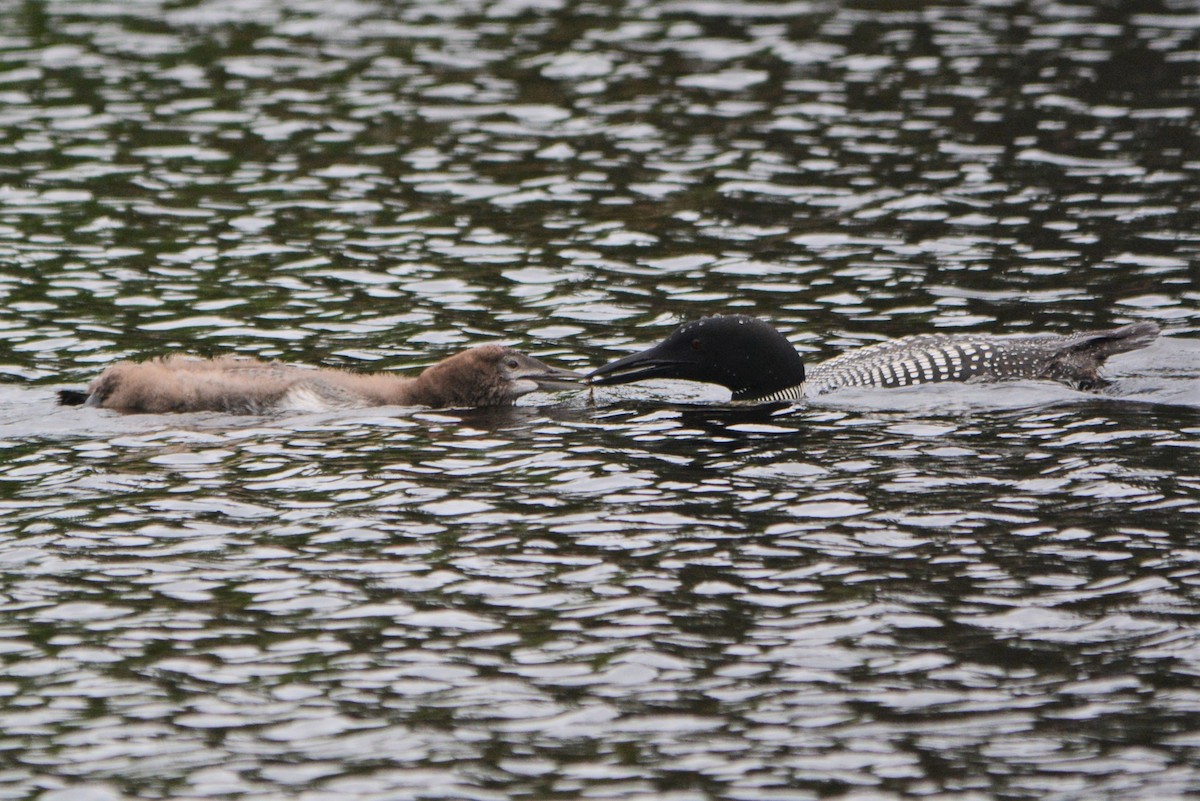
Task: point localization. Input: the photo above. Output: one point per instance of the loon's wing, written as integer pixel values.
(1073, 359)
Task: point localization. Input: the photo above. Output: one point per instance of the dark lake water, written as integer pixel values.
(952, 592)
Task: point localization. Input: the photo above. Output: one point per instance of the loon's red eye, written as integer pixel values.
(696, 344)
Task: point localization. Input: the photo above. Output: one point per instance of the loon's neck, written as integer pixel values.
(792, 393)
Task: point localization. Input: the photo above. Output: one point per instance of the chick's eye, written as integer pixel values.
(696, 344)
(511, 364)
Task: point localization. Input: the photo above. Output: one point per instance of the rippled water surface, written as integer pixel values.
(948, 592)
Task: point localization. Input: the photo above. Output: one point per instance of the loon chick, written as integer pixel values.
(757, 363)
(488, 375)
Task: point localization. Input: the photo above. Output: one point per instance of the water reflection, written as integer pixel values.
(945, 591)
(357, 592)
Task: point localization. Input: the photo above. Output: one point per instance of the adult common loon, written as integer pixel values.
(757, 363)
(488, 375)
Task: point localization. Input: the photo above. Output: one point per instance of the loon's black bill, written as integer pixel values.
(635, 367)
(74, 397)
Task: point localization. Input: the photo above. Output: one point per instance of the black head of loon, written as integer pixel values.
(735, 351)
